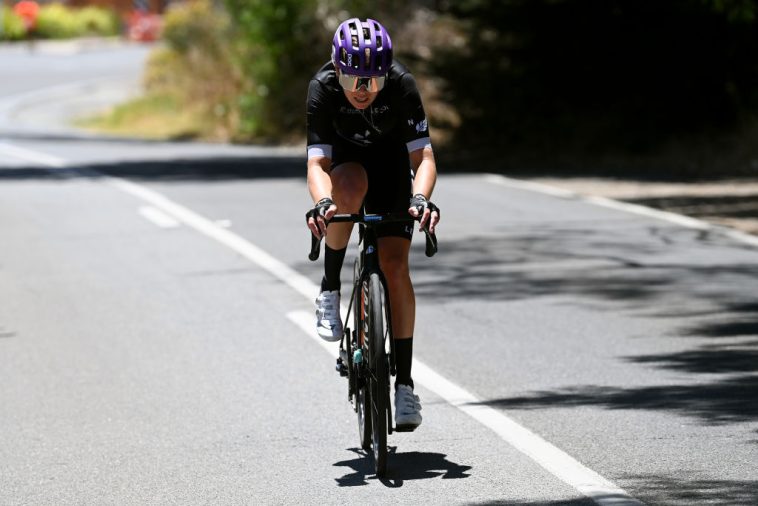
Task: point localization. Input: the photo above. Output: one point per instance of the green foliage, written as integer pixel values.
(737, 11)
(197, 67)
(13, 26)
(281, 45)
(277, 48)
(197, 25)
(96, 21)
(57, 21)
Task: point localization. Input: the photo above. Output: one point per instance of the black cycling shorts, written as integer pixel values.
(388, 168)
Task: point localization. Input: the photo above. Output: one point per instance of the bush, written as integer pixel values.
(13, 26)
(197, 66)
(282, 44)
(56, 21)
(97, 21)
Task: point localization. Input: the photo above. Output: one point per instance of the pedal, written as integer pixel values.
(341, 368)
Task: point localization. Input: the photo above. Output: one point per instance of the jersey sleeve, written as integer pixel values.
(414, 126)
(319, 129)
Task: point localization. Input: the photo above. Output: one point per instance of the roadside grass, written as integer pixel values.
(156, 117)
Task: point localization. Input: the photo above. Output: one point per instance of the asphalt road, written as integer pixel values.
(152, 299)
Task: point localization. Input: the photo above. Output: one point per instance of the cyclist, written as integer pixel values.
(368, 143)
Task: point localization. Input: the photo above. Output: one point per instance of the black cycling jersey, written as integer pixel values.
(395, 116)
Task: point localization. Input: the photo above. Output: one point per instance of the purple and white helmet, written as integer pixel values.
(362, 48)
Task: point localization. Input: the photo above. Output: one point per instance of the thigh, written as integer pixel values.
(349, 178)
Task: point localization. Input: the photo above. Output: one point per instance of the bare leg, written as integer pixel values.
(393, 259)
(349, 187)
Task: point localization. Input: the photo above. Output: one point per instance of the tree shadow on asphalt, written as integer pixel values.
(579, 501)
(724, 206)
(173, 169)
(710, 301)
(401, 467)
(684, 489)
(653, 489)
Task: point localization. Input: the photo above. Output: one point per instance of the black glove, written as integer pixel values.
(322, 206)
(420, 203)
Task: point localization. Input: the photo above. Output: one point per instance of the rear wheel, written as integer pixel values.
(379, 380)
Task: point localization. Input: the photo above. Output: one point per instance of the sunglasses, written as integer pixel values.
(354, 83)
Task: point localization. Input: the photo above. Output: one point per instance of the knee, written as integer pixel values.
(349, 186)
(395, 269)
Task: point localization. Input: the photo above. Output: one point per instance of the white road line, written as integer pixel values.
(554, 460)
(31, 156)
(548, 456)
(684, 221)
(649, 212)
(158, 217)
(296, 281)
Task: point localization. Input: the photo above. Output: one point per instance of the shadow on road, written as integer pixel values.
(726, 401)
(686, 489)
(400, 468)
(725, 206)
(709, 300)
(565, 502)
(653, 489)
(173, 169)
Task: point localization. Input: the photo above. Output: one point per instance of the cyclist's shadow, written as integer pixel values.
(400, 467)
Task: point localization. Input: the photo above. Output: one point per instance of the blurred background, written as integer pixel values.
(655, 89)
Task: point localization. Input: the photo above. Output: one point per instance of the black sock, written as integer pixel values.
(403, 359)
(333, 259)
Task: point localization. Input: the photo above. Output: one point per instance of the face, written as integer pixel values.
(360, 98)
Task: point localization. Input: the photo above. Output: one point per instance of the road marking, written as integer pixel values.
(293, 279)
(158, 217)
(28, 155)
(554, 460)
(684, 221)
(557, 462)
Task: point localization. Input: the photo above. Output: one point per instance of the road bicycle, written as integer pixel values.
(367, 351)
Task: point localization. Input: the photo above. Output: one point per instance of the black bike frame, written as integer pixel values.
(369, 264)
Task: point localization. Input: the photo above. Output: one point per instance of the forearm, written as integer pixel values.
(425, 170)
(319, 182)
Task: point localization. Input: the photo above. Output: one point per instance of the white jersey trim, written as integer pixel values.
(419, 144)
(315, 150)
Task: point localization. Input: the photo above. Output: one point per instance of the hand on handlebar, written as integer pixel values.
(318, 217)
(425, 211)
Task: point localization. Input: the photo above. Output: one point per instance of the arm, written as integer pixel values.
(320, 187)
(425, 170)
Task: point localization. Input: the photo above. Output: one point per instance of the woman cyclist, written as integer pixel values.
(368, 143)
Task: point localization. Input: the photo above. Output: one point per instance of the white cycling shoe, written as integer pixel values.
(328, 323)
(407, 407)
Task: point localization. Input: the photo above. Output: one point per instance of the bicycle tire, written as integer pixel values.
(378, 378)
(360, 371)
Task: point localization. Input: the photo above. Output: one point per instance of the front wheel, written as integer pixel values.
(379, 379)
(361, 370)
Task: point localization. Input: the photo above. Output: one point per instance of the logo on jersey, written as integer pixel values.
(422, 126)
